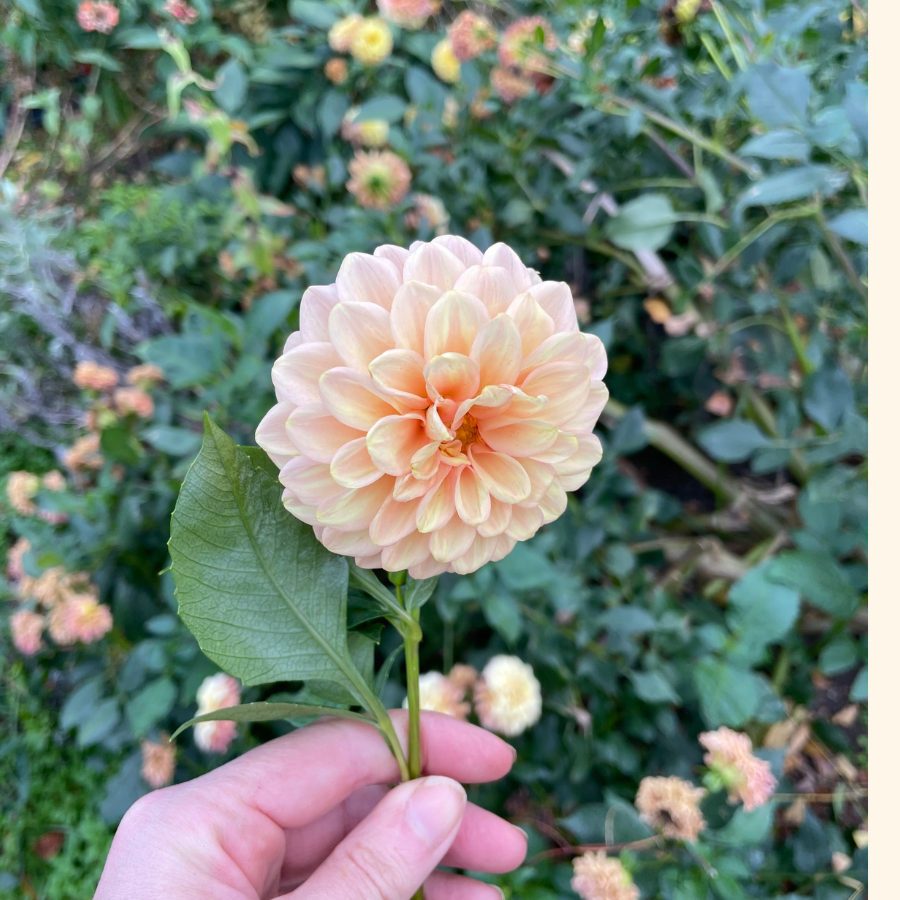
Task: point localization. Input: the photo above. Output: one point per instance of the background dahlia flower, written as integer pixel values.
(434, 407)
(219, 691)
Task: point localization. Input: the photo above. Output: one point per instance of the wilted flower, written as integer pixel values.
(94, 377)
(21, 488)
(336, 70)
(438, 693)
(216, 692)
(409, 14)
(508, 696)
(434, 407)
(26, 627)
(133, 400)
(14, 557)
(84, 454)
(508, 86)
(97, 15)
(86, 619)
(378, 180)
(463, 676)
(341, 33)
(145, 376)
(602, 877)
(158, 761)
(371, 42)
(370, 133)
(733, 766)
(520, 43)
(428, 209)
(54, 481)
(444, 62)
(671, 805)
(182, 11)
(471, 35)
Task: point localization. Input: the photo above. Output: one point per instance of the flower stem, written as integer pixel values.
(411, 649)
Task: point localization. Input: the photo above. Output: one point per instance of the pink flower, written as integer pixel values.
(133, 400)
(602, 877)
(97, 15)
(145, 376)
(86, 619)
(508, 86)
(14, 557)
(158, 761)
(409, 14)
(434, 407)
(378, 180)
(747, 778)
(182, 11)
(216, 692)
(520, 43)
(671, 806)
(471, 35)
(26, 627)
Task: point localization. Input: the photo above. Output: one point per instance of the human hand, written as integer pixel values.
(309, 816)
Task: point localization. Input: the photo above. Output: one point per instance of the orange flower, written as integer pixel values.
(747, 778)
(97, 15)
(145, 376)
(336, 70)
(84, 454)
(26, 627)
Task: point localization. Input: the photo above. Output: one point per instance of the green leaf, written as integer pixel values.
(261, 460)
(859, 690)
(123, 789)
(120, 445)
(142, 37)
(732, 441)
(384, 673)
(232, 89)
(628, 620)
(172, 440)
(837, 656)
(818, 578)
(80, 703)
(746, 829)
(778, 96)
(317, 14)
(265, 600)
(828, 397)
(150, 705)
(792, 184)
(365, 580)
(780, 144)
(643, 224)
(526, 568)
(729, 695)
(269, 313)
(98, 58)
(187, 360)
(653, 687)
(418, 593)
(270, 712)
(389, 108)
(853, 224)
(501, 609)
(99, 723)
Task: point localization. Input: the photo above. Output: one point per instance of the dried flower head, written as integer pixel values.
(508, 696)
(435, 407)
(508, 86)
(14, 558)
(84, 454)
(182, 11)
(91, 376)
(602, 877)
(341, 33)
(747, 778)
(21, 488)
(444, 62)
(336, 70)
(523, 43)
(378, 180)
(216, 692)
(158, 761)
(26, 627)
(133, 400)
(471, 35)
(671, 806)
(430, 210)
(371, 42)
(410, 14)
(97, 15)
(145, 376)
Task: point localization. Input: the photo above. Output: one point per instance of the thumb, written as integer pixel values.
(395, 848)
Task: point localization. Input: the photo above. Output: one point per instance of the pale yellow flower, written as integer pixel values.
(602, 877)
(26, 627)
(471, 35)
(410, 14)
(336, 70)
(747, 778)
(94, 377)
(508, 696)
(370, 133)
(84, 454)
(341, 33)
(671, 806)
(438, 693)
(219, 691)
(378, 180)
(371, 42)
(158, 761)
(444, 62)
(145, 376)
(454, 405)
(21, 488)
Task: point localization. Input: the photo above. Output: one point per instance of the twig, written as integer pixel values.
(579, 849)
(841, 257)
(676, 160)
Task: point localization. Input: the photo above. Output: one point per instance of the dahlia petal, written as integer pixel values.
(540, 475)
(369, 562)
(394, 440)
(427, 569)
(433, 264)
(367, 279)
(476, 556)
(473, 502)
(586, 417)
(438, 506)
(352, 466)
(564, 384)
(426, 461)
(303, 511)
(411, 488)
(409, 312)
(318, 437)
(393, 521)
(493, 285)
(498, 521)
(533, 323)
(555, 298)
(563, 447)
(353, 510)
(452, 376)
(315, 307)
(360, 332)
(553, 503)
(588, 454)
(503, 255)
(397, 255)
(352, 398)
(311, 483)
(460, 248)
(296, 374)
(596, 357)
(271, 433)
(452, 324)
(497, 350)
(451, 541)
(492, 401)
(399, 373)
(502, 475)
(568, 346)
(295, 339)
(503, 547)
(349, 543)
(408, 552)
(573, 482)
(524, 523)
(526, 438)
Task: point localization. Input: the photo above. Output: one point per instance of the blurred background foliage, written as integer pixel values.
(697, 171)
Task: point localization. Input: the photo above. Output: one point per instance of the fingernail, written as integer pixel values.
(523, 832)
(435, 808)
(499, 891)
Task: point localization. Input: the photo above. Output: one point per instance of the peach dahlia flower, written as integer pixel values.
(434, 407)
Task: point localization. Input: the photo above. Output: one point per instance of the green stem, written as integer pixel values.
(795, 337)
(411, 650)
(841, 257)
(376, 707)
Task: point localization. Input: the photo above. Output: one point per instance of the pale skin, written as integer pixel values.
(311, 816)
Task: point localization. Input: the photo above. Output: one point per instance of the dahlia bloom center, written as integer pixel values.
(434, 407)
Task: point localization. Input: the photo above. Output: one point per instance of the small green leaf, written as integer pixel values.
(859, 690)
(780, 144)
(777, 95)
(270, 712)
(172, 440)
(818, 578)
(729, 695)
(732, 441)
(643, 224)
(418, 593)
(502, 612)
(318, 14)
(388, 108)
(853, 224)
(653, 687)
(232, 89)
(150, 705)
